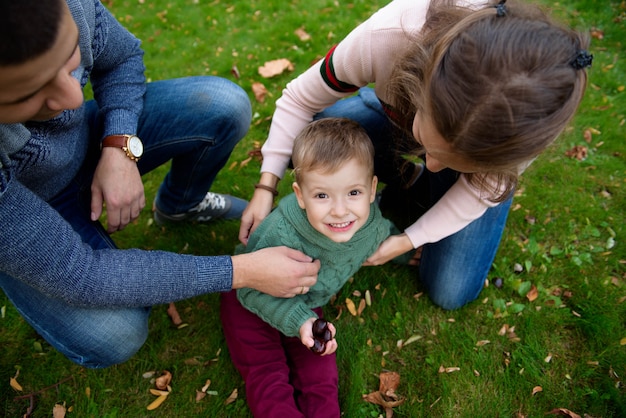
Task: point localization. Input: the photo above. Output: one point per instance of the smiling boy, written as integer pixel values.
(331, 216)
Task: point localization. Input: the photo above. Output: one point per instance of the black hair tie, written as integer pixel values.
(583, 60)
(500, 9)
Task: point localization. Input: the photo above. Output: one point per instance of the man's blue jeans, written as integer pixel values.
(195, 122)
(454, 269)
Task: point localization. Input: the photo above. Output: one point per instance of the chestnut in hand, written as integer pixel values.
(321, 335)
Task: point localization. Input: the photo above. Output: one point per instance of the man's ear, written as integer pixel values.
(298, 191)
(374, 185)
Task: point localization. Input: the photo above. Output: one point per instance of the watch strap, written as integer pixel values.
(117, 141)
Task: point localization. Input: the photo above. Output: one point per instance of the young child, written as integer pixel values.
(331, 216)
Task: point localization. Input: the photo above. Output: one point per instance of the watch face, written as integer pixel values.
(135, 146)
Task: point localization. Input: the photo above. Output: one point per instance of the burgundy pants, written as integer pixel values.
(283, 378)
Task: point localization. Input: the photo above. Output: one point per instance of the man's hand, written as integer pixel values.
(278, 271)
(306, 336)
(117, 184)
(392, 247)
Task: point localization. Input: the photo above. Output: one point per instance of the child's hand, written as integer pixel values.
(319, 336)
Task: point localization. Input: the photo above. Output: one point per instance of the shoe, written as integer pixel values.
(213, 206)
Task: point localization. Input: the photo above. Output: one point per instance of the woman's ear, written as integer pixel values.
(298, 191)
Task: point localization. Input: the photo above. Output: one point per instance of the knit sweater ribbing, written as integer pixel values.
(288, 225)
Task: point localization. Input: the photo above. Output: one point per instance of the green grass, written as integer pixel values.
(566, 230)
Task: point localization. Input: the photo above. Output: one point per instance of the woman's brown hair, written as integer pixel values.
(499, 83)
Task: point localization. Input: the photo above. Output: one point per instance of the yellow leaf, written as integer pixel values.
(156, 403)
(232, 398)
(622, 341)
(351, 306)
(159, 392)
(368, 298)
(16, 385)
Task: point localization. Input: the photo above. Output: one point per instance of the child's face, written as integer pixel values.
(43, 87)
(337, 204)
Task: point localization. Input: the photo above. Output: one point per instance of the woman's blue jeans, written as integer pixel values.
(195, 122)
(454, 269)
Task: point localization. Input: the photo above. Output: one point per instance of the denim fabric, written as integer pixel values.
(454, 269)
(196, 122)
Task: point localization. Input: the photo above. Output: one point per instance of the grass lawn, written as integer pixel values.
(553, 336)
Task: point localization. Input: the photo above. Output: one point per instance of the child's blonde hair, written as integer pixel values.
(500, 84)
(325, 144)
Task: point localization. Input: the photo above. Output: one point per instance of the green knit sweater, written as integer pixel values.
(288, 225)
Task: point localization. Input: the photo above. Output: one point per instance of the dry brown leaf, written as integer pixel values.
(596, 33)
(361, 307)
(172, 312)
(200, 395)
(351, 307)
(578, 151)
(482, 342)
(235, 72)
(302, 35)
(448, 369)
(232, 397)
(386, 395)
(206, 385)
(58, 411)
(564, 412)
(156, 403)
(164, 380)
(275, 67)
(532, 294)
(537, 389)
(259, 91)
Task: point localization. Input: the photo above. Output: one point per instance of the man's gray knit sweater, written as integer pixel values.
(38, 160)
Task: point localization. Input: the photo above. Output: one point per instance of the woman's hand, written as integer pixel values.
(392, 247)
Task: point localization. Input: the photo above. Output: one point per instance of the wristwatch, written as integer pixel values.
(130, 144)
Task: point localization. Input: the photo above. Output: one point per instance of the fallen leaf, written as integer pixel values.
(564, 412)
(200, 395)
(368, 298)
(13, 382)
(596, 33)
(448, 369)
(351, 306)
(578, 151)
(157, 392)
(164, 380)
(259, 91)
(301, 33)
(172, 312)
(532, 294)
(537, 389)
(206, 385)
(58, 411)
(548, 359)
(235, 71)
(386, 395)
(232, 397)
(622, 341)
(482, 342)
(275, 67)
(156, 403)
(361, 307)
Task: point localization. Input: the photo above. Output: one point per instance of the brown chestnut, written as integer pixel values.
(321, 335)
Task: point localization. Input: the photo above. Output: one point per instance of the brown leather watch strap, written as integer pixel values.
(117, 141)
